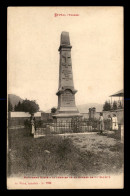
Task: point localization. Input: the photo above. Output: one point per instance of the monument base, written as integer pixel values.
(66, 116)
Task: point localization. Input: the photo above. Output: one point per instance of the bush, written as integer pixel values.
(39, 123)
(53, 110)
(27, 123)
(64, 148)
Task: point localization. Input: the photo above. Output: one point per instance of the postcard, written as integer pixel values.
(65, 97)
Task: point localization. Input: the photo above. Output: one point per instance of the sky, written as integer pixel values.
(33, 39)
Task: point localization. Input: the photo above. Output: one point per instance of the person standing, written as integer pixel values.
(114, 122)
(32, 121)
(101, 123)
(109, 122)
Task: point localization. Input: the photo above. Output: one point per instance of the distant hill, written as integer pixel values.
(14, 99)
(84, 108)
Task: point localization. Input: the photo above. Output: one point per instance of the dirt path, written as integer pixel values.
(107, 152)
(93, 142)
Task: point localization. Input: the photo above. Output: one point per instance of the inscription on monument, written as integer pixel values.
(68, 98)
(66, 75)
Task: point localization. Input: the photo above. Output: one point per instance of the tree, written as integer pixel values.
(29, 106)
(15, 108)
(10, 107)
(114, 105)
(106, 106)
(18, 107)
(53, 110)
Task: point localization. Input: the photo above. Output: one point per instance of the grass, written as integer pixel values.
(59, 155)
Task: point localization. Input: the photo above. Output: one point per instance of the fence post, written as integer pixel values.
(122, 133)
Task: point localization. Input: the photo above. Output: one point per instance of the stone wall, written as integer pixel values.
(85, 115)
(18, 118)
(119, 113)
(46, 116)
(22, 114)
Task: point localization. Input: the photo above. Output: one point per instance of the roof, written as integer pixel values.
(118, 94)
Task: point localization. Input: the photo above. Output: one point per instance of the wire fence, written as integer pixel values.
(73, 126)
(65, 126)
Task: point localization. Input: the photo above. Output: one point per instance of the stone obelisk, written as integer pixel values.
(66, 91)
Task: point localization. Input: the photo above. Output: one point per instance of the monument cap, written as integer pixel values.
(65, 40)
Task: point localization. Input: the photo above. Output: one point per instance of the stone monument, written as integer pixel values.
(66, 91)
